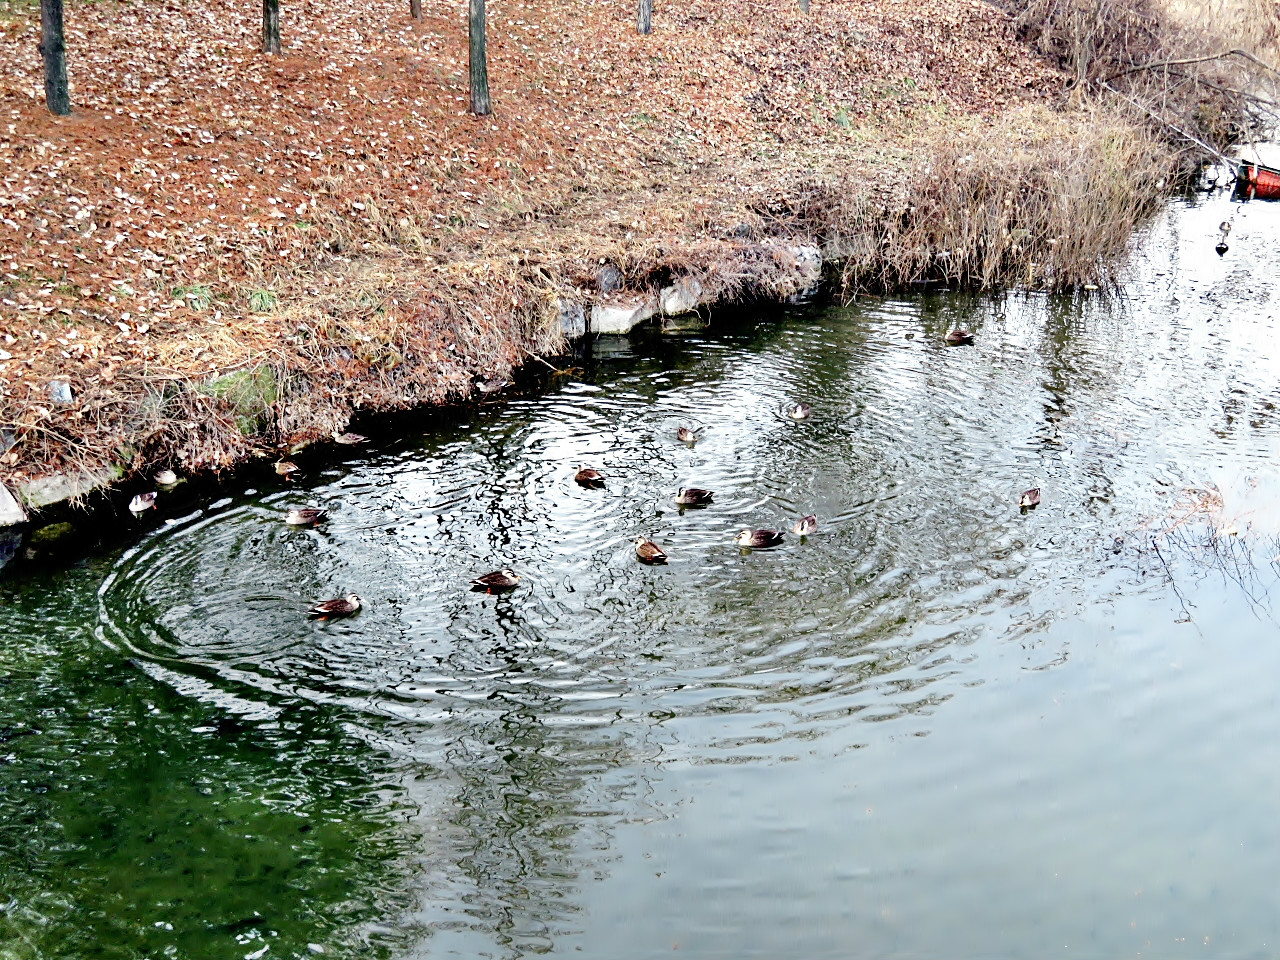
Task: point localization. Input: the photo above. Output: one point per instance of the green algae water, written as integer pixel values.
(940, 727)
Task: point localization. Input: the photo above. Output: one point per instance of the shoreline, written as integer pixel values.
(379, 300)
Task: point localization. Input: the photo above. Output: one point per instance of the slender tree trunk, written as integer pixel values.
(480, 105)
(804, 6)
(415, 9)
(644, 16)
(54, 52)
(270, 26)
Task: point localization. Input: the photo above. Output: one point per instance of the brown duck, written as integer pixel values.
(693, 497)
(806, 526)
(649, 552)
(504, 579)
(759, 538)
(305, 516)
(586, 477)
(340, 607)
(958, 337)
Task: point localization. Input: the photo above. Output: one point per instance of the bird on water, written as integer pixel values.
(339, 607)
(649, 552)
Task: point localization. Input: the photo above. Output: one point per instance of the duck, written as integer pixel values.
(166, 478)
(348, 439)
(503, 579)
(759, 538)
(688, 435)
(489, 387)
(1224, 227)
(649, 552)
(339, 607)
(305, 516)
(799, 411)
(586, 477)
(286, 469)
(958, 337)
(693, 497)
(806, 526)
(142, 502)
(1221, 248)
(1030, 499)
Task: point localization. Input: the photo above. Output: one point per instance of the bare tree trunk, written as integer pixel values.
(415, 9)
(270, 26)
(644, 16)
(53, 50)
(480, 105)
(804, 6)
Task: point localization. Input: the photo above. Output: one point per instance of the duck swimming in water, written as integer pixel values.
(759, 538)
(799, 411)
(586, 477)
(142, 502)
(693, 497)
(341, 607)
(806, 526)
(349, 439)
(958, 337)
(687, 435)
(649, 552)
(1030, 499)
(305, 516)
(286, 469)
(503, 579)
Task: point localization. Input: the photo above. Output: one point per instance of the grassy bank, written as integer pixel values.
(225, 255)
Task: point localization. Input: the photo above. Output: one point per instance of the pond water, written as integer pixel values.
(940, 727)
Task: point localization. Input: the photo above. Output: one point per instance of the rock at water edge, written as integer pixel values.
(683, 296)
(11, 512)
(621, 317)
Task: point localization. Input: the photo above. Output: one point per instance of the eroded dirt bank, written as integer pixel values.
(223, 254)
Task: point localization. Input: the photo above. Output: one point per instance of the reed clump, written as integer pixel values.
(1000, 208)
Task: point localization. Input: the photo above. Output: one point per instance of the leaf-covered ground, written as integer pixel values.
(335, 209)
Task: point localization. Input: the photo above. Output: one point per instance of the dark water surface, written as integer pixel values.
(939, 728)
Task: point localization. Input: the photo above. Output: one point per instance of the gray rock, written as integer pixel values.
(808, 261)
(60, 392)
(573, 319)
(622, 317)
(681, 297)
(37, 494)
(608, 279)
(11, 512)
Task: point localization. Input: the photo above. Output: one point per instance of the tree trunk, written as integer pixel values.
(270, 26)
(415, 9)
(53, 50)
(644, 17)
(804, 6)
(480, 105)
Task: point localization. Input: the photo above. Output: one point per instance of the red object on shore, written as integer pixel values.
(1259, 181)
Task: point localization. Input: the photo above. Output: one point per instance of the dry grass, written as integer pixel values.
(1000, 207)
(1195, 70)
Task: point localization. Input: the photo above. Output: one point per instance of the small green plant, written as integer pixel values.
(198, 296)
(262, 301)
